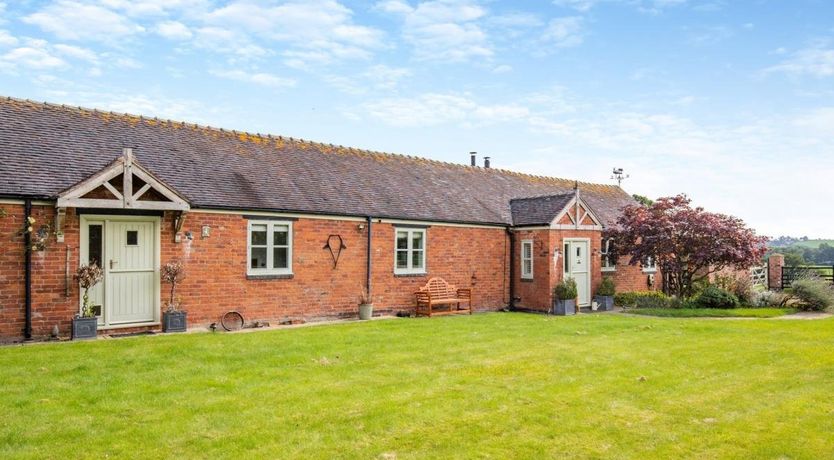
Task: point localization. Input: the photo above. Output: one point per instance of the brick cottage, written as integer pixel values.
(279, 229)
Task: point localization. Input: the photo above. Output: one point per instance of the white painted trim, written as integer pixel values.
(22, 202)
(435, 223)
(288, 215)
(577, 221)
(125, 165)
(128, 325)
(527, 276)
(83, 252)
(524, 229)
(590, 264)
(270, 229)
(410, 250)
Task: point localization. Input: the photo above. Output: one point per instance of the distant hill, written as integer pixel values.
(804, 251)
(802, 242)
(813, 244)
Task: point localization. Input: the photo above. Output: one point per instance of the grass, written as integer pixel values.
(713, 312)
(502, 385)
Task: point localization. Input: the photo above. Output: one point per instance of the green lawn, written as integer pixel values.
(713, 312)
(502, 385)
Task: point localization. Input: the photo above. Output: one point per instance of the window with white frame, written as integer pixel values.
(527, 259)
(269, 248)
(410, 251)
(608, 262)
(649, 265)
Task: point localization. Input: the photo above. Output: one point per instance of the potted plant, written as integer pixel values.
(366, 308)
(605, 294)
(85, 325)
(564, 297)
(173, 319)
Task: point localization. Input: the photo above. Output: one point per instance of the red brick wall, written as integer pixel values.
(537, 295)
(216, 278)
(50, 304)
(534, 294)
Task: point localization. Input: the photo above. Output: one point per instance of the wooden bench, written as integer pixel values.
(438, 292)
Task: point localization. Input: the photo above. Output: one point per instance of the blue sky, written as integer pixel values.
(731, 102)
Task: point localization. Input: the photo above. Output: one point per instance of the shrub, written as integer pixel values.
(764, 299)
(652, 302)
(715, 297)
(566, 289)
(630, 299)
(607, 286)
(813, 294)
(739, 285)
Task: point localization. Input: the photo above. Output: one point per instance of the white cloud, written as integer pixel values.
(708, 35)
(35, 54)
(646, 6)
(442, 30)
(151, 8)
(258, 78)
(817, 61)
(318, 32)
(72, 20)
(173, 30)
(563, 32)
(436, 108)
(6, 39)
(76, 52)
(503, 68)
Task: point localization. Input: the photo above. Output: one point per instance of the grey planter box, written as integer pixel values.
(174, 321)
(366, 311)
(84, 328)
(564, 307)
(605, 302)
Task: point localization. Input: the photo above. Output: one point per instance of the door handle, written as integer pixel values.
(112, 263)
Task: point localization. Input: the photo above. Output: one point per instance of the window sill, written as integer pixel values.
(650, 271)
(268, 276)
(526, 280)
(609, 269)
(410, 275)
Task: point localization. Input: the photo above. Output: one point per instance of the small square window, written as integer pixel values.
(132, 238)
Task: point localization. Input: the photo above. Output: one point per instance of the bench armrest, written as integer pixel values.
(464, 293)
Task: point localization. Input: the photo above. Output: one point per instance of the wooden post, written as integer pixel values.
(127, 178)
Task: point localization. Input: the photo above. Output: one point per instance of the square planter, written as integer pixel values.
(605, 302)
(564, 307)
(84, 328)
(174, 321)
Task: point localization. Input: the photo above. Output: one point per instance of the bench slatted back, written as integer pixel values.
(439, 289)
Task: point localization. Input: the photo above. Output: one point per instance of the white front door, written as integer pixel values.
(578, 267)
(127, 250)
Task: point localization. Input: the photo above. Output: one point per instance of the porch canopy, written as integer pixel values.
(123, 184)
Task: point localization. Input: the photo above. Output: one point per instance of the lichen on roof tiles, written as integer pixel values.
(290, 174)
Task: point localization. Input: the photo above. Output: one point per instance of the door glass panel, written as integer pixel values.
(94, 243)
(567, 257)
(132, 238)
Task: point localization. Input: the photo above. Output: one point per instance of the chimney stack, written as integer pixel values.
(486, 162)
(472, 157)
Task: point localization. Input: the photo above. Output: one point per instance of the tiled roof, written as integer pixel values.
(47, 148)
(539, 210)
